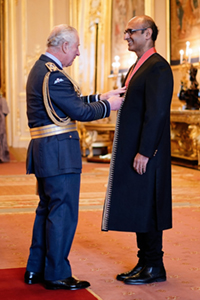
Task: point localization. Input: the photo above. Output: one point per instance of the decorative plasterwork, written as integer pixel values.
(149, 8)
(31, 59)
(95, 38)
(95, 11)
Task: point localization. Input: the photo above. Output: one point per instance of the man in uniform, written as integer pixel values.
(54, 156)
(138, 197)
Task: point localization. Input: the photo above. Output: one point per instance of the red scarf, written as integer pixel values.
(144, 57)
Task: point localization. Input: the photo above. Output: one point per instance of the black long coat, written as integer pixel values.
(143, 126)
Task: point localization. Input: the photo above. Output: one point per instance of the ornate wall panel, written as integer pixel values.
(2, 48)
(95, 36)
(122, 12)
(27, 25)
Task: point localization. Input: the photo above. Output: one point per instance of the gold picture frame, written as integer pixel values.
(184, 27)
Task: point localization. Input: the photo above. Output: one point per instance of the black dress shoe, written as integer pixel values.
(32, 277)
(69, 283)
(148, 275)
(134, 271)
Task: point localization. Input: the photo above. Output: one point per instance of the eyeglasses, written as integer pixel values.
(131, 31)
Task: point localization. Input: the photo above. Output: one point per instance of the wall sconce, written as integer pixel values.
(115, 66)
(188, 54)
(189, 95)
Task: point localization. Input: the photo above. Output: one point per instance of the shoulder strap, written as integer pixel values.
(47, 99)
(53, 68)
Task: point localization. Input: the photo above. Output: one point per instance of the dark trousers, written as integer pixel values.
(150, 248)
(54, 226)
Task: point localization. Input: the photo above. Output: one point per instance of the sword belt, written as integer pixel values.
(52, 129)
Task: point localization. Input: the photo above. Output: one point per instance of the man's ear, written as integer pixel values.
(65, 47)
(148, 33)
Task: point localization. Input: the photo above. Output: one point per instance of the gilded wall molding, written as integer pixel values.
(93, 14)
(51, 16)
(149, 8)
(95, 11)
(11, 70)
(25, 36)
(30, 60)
(168, 29)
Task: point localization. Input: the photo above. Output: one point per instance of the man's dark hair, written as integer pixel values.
(148, 22)
(155, 31)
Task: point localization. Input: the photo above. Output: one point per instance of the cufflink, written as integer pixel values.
(155, 152)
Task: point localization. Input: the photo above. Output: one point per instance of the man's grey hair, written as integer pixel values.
(60, 34)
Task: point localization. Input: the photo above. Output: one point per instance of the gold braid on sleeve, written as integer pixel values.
(47, 99)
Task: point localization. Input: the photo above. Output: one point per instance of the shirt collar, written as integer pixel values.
(54, 59)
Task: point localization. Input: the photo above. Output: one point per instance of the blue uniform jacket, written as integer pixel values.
(58, 154)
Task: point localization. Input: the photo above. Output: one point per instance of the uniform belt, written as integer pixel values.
(49, 130)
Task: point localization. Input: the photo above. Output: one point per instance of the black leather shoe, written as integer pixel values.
(148, 275)
(134, 271)
(69, 283)
(32, 277)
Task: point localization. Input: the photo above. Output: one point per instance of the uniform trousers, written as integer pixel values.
(54, 227)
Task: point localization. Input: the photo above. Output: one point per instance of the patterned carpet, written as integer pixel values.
(17, 192)
(98, 256)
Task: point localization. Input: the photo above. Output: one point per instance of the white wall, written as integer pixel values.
(28, 23)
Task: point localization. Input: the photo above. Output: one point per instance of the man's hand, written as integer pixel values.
(109, 94)
(140, 163)
(115, 102)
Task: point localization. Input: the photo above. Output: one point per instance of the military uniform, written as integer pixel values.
(55, 159)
